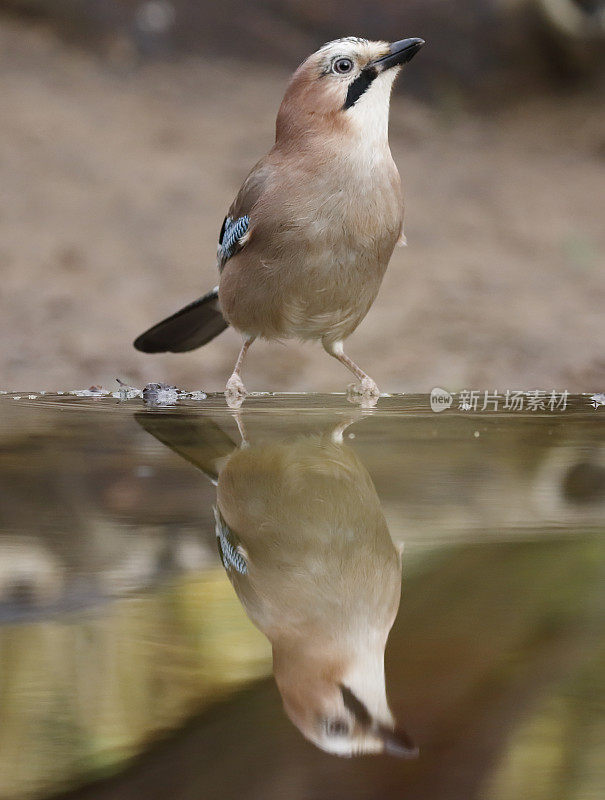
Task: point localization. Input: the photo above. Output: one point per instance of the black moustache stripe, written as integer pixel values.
(355, 706)
(361, 83)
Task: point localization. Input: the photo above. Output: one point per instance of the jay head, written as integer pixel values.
(343, 92)
(305, 244)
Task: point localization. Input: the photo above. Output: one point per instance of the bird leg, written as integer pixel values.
(235, 391)
(367, 387)
(337, 433)
(242, 430)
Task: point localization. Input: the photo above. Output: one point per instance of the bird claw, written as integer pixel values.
(365, 393)
(235, 391)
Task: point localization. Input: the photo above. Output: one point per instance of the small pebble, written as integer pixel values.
(160, 394)
(199, 395)
(94, 391)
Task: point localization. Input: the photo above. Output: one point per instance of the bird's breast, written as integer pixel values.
(354, 207)
(347, 240)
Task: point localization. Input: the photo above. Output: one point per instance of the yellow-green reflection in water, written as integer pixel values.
(83, 692)
(118, 622)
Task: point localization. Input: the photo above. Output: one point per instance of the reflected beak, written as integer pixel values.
(399, 53)
(397, 742)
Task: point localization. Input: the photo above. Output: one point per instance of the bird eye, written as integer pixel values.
(342, 65)
(336, 727)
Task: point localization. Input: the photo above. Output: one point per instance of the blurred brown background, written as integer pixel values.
(127, 127)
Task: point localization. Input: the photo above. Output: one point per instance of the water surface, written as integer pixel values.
(137, 649)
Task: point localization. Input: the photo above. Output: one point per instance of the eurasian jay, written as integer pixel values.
(305, 244)
(304, 541)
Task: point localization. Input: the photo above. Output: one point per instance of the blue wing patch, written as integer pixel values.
(231, 232)
(231, 557)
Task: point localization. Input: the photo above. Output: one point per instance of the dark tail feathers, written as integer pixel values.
(198, 440)
(189, 328)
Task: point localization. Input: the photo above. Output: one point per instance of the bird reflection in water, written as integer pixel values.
(303, 539)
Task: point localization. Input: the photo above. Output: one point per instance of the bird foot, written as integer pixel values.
(235, 391)
(365, 393)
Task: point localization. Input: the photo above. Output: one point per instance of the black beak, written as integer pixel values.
(399, 53)
(397, 742)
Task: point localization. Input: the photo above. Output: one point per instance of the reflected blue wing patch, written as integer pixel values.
(231, 233)
(231, 557)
